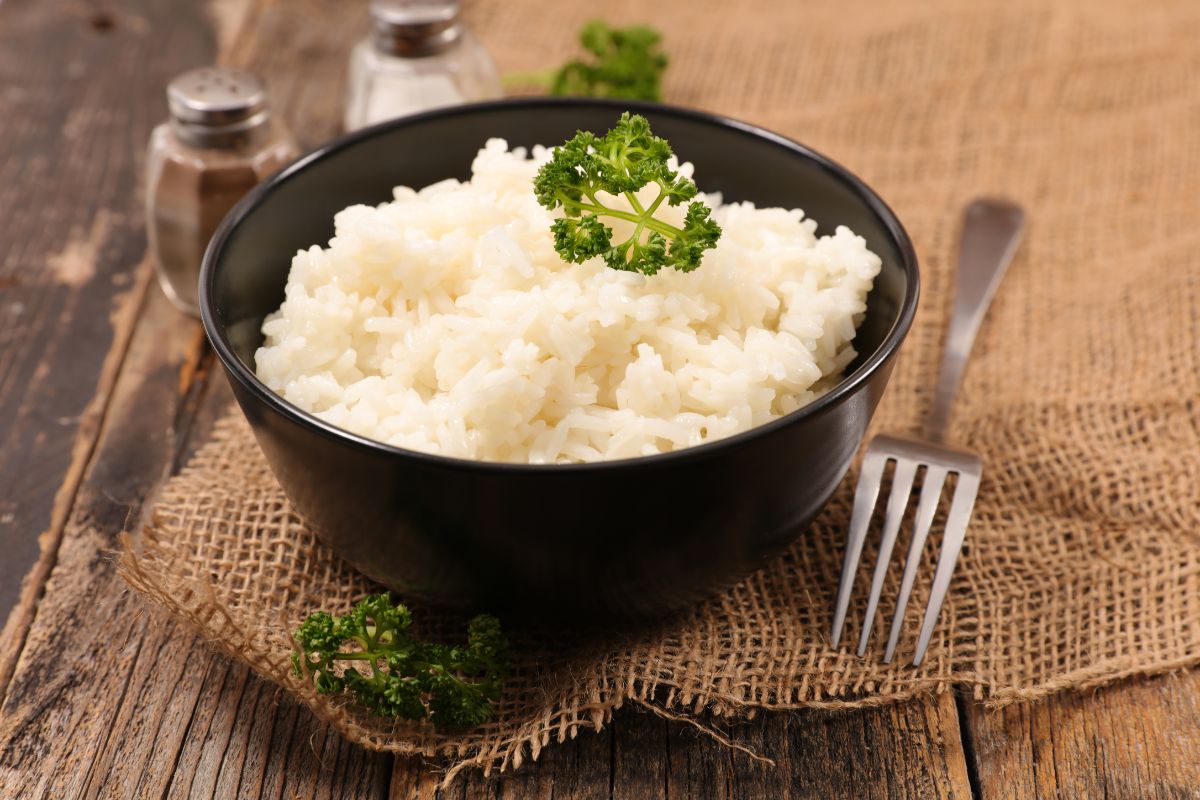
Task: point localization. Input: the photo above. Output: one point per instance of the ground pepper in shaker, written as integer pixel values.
(219, 142)
(418, 56)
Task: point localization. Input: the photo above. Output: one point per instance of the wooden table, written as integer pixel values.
(105, 390)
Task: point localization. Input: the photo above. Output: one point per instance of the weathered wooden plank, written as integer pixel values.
(81, 87)
(907, 750)
(1137, 739)
(74, 675)
(108, 700)
(247, 739)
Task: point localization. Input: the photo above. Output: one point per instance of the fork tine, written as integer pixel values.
(864, 504)
(931, 493)
(956, 530)
(902, 481)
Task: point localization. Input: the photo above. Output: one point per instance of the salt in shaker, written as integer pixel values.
(219, 142)
(418, 56)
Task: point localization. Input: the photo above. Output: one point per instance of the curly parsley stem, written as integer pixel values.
(654, 206)
(643, 219)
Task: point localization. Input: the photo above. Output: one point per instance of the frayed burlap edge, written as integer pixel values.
(194, 604)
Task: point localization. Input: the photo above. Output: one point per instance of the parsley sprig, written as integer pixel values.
(454, 687)
(621, 62)
(623, 161)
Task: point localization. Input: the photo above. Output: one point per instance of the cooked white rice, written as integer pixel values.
(445, 322)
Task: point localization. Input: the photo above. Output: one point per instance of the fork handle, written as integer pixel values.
(991, 231)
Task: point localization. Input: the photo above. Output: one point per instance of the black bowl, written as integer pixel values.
(634, 537)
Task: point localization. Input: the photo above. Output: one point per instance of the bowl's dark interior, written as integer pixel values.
(297, 211)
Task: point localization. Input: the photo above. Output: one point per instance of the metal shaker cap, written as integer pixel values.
(216, 106)
(414, 28)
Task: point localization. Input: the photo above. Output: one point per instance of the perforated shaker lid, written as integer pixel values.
(216, 96)
(414, 27)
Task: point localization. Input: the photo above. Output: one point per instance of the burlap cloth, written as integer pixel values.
(1083, 560)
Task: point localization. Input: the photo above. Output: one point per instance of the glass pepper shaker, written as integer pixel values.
(418, 56)
(218, 143)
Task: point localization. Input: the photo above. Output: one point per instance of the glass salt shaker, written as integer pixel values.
(218, 143)
(419, 56)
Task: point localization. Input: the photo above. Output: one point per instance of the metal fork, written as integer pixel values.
(991, 232)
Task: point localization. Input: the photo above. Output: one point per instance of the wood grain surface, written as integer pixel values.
(104, 391)
(1136, 739)
(867, 754)
(80, 87)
